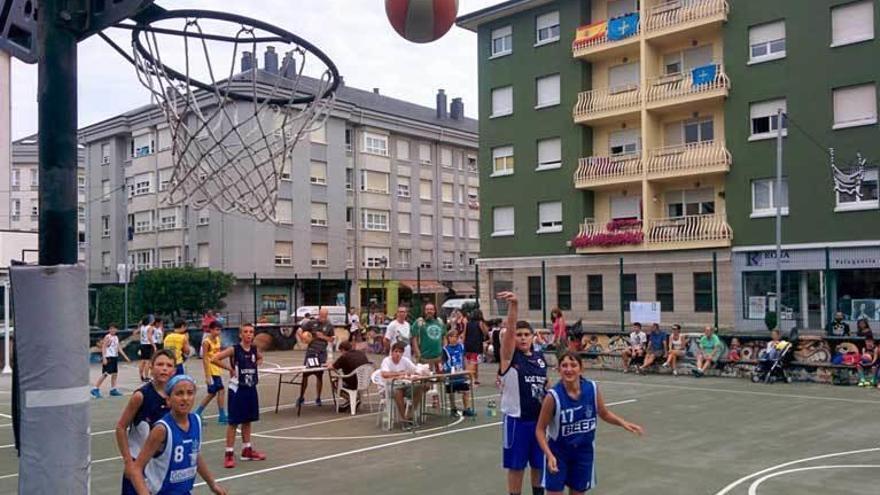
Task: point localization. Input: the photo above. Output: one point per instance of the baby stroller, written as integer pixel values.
(772, 363)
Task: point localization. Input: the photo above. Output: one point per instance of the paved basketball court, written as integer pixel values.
(711, 436)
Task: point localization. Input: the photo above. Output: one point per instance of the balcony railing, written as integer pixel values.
(581, 47)
(688, 157)
(614, 234)
(676, 12)
(696, 228)
(607, 99)
(681, 85)
(607, 168)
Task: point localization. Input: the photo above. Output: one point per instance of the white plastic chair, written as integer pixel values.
(382, 391)
(364, 374)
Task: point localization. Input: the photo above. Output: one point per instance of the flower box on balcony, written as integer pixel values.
(609, 239)
(622, 224)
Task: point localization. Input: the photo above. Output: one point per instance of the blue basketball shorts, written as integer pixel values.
(216, 384)
(576, 471)
(244, 405)
(520, 446)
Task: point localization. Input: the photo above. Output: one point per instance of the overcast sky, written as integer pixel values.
(354, 33)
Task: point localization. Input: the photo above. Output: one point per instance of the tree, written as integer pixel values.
(110, 303)
(176, 292)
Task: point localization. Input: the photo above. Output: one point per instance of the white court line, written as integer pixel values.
(753, 488)
(744, 392)
(363, 437)
(5, 416)
(375, 447)
(727, 489)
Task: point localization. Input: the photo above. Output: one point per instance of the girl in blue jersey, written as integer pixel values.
(168, 463)
(523, 381)
(146, 406)
(566, 429)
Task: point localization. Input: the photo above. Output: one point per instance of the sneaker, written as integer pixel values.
(665, 365)
(115, 393)
(229, 460)
(96, 393)
(470, 413)
(222, 419)
(626, 370)
(249, 454)
(300, 402)
(862, 383)
(674, 372)
(453, 412)
(318, 402)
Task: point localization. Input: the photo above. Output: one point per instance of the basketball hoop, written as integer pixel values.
(233, 131)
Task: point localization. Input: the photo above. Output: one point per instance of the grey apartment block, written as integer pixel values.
(347, 192)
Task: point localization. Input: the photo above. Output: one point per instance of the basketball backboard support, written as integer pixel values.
(18, 22)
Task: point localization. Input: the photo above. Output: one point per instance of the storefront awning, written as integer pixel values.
(425, 286)
(464, 288)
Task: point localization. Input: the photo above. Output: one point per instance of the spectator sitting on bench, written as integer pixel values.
(656, 346)
(863, 329)
(676, 349)
(838, 327)
(635, 350)
(868, 363)
(709, 353)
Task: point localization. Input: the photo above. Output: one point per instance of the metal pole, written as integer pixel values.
(347, 294)
(57, 146)
(620, 278)
(829, 313)
(715, 287)
(125, 299)
(477, 283)
(419, 286)
(255, 298)
(7, 369)
(369, 304)
(295, 298)
(543, 294)
(777, 198)
(319, 291)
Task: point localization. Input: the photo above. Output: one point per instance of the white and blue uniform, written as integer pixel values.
(173, 470)
(523, 388)
(244, 403)
(572, 439)
(153, 408)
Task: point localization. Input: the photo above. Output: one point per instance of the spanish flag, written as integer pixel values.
(591, 32)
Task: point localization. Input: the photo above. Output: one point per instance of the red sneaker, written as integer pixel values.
(249, 454)
(229, 460)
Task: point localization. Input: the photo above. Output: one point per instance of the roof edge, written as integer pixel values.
(475, 19)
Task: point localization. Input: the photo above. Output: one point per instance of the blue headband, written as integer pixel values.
(177, 379)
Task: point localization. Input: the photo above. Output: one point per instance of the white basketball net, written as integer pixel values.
(230, 153)
(849, 181)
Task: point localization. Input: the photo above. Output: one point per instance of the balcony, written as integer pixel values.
(599, 47)
(607, 103)
(700, 84)
(688, 159)
(696, 231)
(680, 15)
(596, 171)
(614, 236)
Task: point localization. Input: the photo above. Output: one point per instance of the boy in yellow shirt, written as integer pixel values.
(178, 343)
(213, 374)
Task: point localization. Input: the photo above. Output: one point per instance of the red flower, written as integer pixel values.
(609, 239)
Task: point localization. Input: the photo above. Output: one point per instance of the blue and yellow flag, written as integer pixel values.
(704, 74)
(623, 26)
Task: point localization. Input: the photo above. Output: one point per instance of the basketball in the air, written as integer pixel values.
(421, 21)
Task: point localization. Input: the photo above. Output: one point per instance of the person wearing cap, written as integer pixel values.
(524, 382)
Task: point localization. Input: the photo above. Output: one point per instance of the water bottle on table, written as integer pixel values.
(491, 409)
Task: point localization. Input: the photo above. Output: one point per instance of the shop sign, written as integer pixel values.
(852, 258)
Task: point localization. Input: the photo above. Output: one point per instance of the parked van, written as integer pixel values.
(337, 313)
(451, 305)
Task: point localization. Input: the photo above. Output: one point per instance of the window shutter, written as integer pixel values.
(626, 207)
(550, 151)
(852, 22)
(857, 103)
(766, 32)
(623, 75)
(547, 20)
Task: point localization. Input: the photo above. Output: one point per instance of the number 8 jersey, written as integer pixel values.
(173, 470)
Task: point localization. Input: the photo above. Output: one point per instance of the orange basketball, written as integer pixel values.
(421, 21)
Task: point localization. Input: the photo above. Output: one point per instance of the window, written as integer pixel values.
(105, 153)
(203, 255)
(318, 173)
(81, 184)
(473, 229)
(502, 221)
(461, 195)
(143, 222)
(319, 254)
(869, 194)
(16, 209)
(549, 154)
(547, 89)
(375, 257)
(349, 257)
(15, 179)
(549, 217)
(563, 292)
(105, 226)
(852, 23)
(502, 41)
(625, 207)
(283, 253)
(427, 259)
(424, 153)
(349, 178)
(375, 144)
(624, 77)
(143, 184)
(374, 220)
(349, 217)
(617, 8)
(141, 260)
(168, 218)
(535, 294)
(448, 226)
(628, 290)
(426, 224)
(473, 198)
(855, 106)
(425, 189)
(349, 139)
(105, 190)
(164, 138)
(689, 131)
(471, 163)
(319, 214)
(143, 145)
(767, 42)
(319, 135)
(374, 182)
(502, 102)
(665, 293)
(169, 257)
(594, 293)
(404, 258)
(764, 197)
(446, 157)
(625, 142)
(283, 211)
(81, 213)
(403, 189)
(285, 169)
(462, 225)
(205, 216)
(35, 208)
(446, 193)
(448, 260)
(547, 28)
(402, 150)
(404, 221)
(765, 119)
(164, 178)
(690, 202)
(502, 161)
(35, 178)
(105, 262)
(703, 292)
